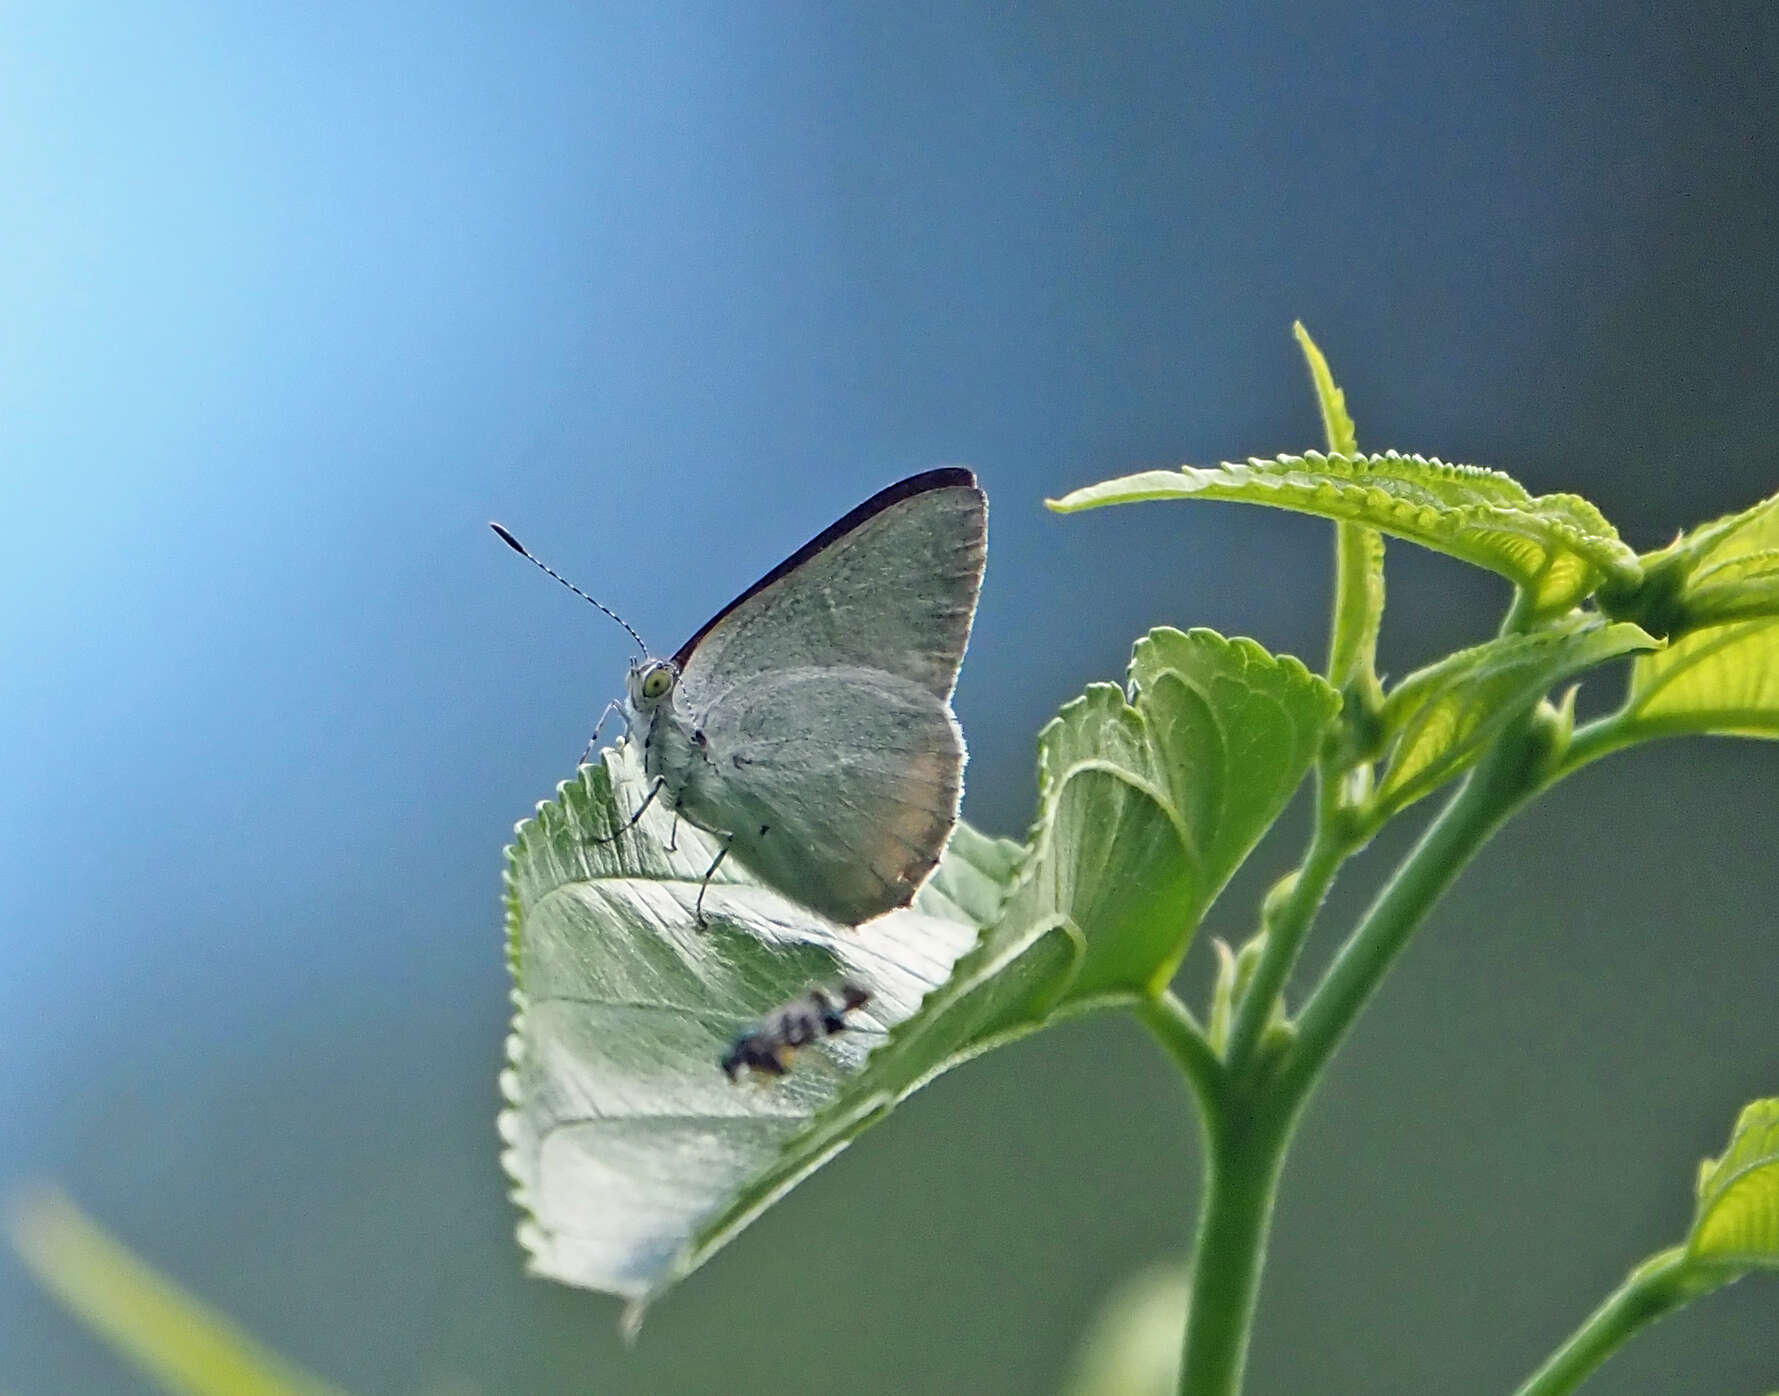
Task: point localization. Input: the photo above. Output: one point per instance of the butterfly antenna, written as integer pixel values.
(519, 548)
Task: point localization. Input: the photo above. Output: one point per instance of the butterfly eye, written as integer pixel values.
(658, 681)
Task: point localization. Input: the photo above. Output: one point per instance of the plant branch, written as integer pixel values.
(1657, 1287)
(1519, 612)
(1286, 927)
(1504, 778)
(1242, 1162)
(1184, 1040)
(1602, 737)
(1358, 600)
(1248, 1128)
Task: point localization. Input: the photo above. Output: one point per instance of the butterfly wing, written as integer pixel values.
(838, 784)
(890, 587)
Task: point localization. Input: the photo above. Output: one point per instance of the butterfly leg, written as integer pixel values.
(703, 887)
(728, 838)
(636, 818)
(612, 707)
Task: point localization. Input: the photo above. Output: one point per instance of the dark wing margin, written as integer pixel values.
(945, 477)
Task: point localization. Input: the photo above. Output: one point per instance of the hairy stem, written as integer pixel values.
(1184, 1040)
(1504, 778)
(1658, 1286)
(1286, 926)
(1247, 1148)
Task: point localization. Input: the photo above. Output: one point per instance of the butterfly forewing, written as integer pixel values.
(892, 587)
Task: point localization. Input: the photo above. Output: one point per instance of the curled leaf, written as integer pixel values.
(622, 1133)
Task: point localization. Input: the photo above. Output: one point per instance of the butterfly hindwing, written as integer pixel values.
(838, 784)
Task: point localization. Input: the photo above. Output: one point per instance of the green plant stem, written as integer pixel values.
(1353, 635)
(1658, 1286)
(1285, 928)
(1613, 732)
(1502, 780)
(1242, 1163)
(1519, 613)
(1250, 1115)
(1184, 1040)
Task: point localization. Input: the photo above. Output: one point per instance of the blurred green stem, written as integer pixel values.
(1661, 1284)
(1246, 1151)
(1258, 1095)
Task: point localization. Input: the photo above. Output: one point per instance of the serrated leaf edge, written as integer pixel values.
(1566, 519)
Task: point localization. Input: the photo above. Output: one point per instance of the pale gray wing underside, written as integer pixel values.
(895, 594)
(839, 785)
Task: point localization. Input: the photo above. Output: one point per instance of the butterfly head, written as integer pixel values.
(651, 683)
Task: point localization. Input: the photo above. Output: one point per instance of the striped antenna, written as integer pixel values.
(519, 548)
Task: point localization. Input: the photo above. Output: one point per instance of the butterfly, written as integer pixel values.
(807, 726)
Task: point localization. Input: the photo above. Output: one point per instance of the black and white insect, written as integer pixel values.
(767, 1047)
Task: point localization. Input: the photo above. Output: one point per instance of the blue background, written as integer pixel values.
(294, 298)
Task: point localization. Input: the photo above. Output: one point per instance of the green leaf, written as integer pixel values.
(1146, 806)
(622, 1134)
(1337, 423)
(1359, 551)
(165, 1332)
(1721, 678)
(1737, 1224)
(1234, 729)
(1439, 720)
(1557, 548)
(636, 1159)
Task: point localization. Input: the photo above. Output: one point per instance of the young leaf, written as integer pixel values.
(1722, 678)
(1557, 548)
(1222, 998)
(1359, 551)
(164, 1331)
(1439, 719)
(623, 1134)
(1337, 422)
(637, 1159)
(1737, 1225)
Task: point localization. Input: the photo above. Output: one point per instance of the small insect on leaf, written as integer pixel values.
(768, 1046)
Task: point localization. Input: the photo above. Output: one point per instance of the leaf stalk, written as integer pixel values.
(1657, 1287)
